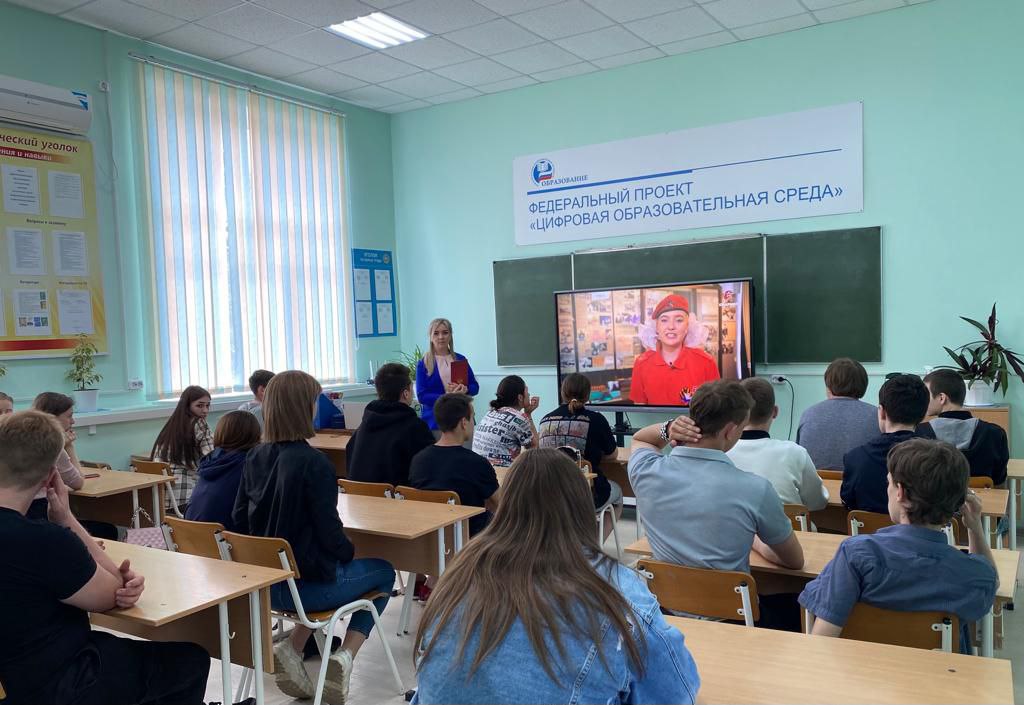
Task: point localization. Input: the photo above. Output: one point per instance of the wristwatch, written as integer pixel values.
(664, 430)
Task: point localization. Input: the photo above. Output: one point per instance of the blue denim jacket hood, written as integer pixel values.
(513, 673)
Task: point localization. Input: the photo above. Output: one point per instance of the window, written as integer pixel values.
(247, 241)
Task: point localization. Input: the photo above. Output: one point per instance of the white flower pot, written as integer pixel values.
(979, 393)
(87, 400)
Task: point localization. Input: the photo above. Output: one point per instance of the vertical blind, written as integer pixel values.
(248, 248)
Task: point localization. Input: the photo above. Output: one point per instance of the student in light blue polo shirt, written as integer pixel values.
(909, 566)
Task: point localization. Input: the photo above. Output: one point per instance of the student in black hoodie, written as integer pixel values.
(982, 442)
(288, 490)
(390, 434)
(213, 499)
(902, 404)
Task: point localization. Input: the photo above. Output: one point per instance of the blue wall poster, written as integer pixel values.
(373, 289)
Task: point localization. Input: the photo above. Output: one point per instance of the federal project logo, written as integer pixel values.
(543, 171)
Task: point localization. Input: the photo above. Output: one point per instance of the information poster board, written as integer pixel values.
(373, 289)
(51, 284)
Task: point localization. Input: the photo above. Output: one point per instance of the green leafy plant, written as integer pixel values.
(986, 360)
(83, 364)
(410, 360)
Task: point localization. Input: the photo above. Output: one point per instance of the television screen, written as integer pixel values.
(653, 346)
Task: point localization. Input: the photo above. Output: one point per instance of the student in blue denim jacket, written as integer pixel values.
(532, 611)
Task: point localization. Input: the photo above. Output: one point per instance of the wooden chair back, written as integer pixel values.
(920, 630)
(436, 496)
(830, 474)
(152, 467)
(95, 464)
(980, 483)
(861, 522)
(798, 515)
(259, 550)
(721, 594)
(197, 538)
(367, 489)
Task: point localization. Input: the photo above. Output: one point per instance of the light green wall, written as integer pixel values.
(43, 48)
(943, 148)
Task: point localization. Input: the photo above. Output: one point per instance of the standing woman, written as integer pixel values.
(434, 371)
(183, 441)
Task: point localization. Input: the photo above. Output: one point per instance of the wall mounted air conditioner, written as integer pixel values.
(41, 106)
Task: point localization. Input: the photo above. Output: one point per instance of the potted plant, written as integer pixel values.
(83, 374)
(985, 364)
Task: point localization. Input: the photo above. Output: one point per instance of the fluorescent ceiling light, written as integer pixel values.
(377, 31)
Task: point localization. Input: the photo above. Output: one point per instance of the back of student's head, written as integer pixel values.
(934, 476)
(539, 553)
(905, 399)
(575, 392)
(288, 407)
(509, 390)
(948, 382)
(259, 378)
(30, 442)
(760, 390)
(846, 377)
(176, 442)
(391, 380)
(237, 430)
(717, 404)
(451, 409)
(52, 403)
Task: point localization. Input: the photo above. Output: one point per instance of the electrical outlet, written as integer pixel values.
(778, 379)
(104, 87)
(135, 385)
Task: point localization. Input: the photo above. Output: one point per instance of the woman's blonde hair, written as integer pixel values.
(288, 407)
(428, 356)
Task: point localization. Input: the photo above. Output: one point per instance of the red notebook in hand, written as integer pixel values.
(460, 372)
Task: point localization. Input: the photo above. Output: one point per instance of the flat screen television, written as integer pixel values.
(651, 347)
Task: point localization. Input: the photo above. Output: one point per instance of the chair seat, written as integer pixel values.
(324, 615)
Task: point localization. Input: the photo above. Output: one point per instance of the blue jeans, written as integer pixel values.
(351, 581)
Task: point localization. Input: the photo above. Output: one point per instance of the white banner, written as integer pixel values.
(773, 168)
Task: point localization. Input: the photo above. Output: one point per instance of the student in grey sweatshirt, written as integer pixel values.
(842, 422)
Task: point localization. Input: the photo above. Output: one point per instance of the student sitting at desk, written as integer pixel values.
(183, 441)
(910, 566)
(52, 574)
(833, 427)
(258, 382)
(221, 471)
(507, 429)
(62, 408)
(902, 403)
(571, 624)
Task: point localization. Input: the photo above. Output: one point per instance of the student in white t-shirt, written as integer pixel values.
(785, 464)
(508, 427)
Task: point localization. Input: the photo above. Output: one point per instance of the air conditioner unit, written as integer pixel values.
(42, 106)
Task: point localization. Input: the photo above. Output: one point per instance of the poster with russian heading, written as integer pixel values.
(51, 286)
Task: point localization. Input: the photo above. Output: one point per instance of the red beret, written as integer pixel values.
(672, 302)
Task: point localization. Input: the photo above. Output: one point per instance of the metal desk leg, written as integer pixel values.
(135, 509)
(440, 551)
(1012, 486)
(157, 509)
(986, 522)
(256, 630)
(987, 638)
(225, 652)
(458, 536)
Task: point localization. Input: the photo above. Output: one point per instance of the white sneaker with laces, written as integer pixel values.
(339, 674)
(289, 674)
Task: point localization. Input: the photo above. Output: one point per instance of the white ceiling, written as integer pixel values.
(476, 47)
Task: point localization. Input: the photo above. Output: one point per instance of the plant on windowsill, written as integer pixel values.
(83, 374)
(410, 360)
(985, 364)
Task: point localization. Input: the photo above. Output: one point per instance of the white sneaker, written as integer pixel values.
(339, 673)
(289, 674)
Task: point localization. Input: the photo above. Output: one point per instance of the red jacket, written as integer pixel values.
(659, 383)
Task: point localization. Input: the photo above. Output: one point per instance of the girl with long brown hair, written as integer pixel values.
(519, 614)
(183, 441)
(220, 472)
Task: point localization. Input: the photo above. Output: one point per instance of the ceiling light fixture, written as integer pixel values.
(377, 31)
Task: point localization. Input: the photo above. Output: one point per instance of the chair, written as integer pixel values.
(798, 515)
(197, 538)
(920, 630)
(720, 594)
(155, 467)
(367, 489)
(830, 474)
(861, 522)
(980, 483)
(271, 552)
(609, 510)
(95, 465)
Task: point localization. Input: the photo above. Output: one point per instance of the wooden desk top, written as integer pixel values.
(111, 482)
(502, 472)
(622, 454)
(330, 441)
(993, 502)
(799, 668)
(1015, 468)
(178, 584)
(399, 518)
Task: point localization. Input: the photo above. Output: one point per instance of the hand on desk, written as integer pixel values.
(134, 584)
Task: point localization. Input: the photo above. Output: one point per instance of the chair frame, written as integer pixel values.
(853, 520)
(170, 524)
(166, 472)
(366, 489)
(745, 587)
(946, 624)
(798, 515)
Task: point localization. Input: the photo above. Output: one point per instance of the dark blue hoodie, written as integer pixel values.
(214, 495)
(865, 473)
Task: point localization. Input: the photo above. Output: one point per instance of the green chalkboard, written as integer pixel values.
(824, 296)
(524, 308)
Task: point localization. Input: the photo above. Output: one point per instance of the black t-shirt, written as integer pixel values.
(459, 470)
(587, 431)
(40, 565)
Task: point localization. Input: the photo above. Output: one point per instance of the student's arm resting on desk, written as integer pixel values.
(70, 467)
(788, 554)
(775, 538)
(832, 595)
(812, 490)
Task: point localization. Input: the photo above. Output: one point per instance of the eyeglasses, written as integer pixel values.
(573, 453)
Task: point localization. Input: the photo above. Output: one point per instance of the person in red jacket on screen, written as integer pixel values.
(671, 373)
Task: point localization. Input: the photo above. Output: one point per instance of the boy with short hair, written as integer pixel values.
(902, 404)
(52, 574)
(926, 484)
(783, 463)
(842, 422)
(258, 382)
(390, 434)
(983, 443)
(449, 465)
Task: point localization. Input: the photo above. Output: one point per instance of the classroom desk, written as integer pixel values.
(615, 469)
(739, 664)
(502, 472)
(188, 598)
(333, 445)
(819, 549)
(114, 496)
(1014, 475)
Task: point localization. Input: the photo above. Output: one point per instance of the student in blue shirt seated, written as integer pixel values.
(902, 404)
(532, 611)
(910, 566)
